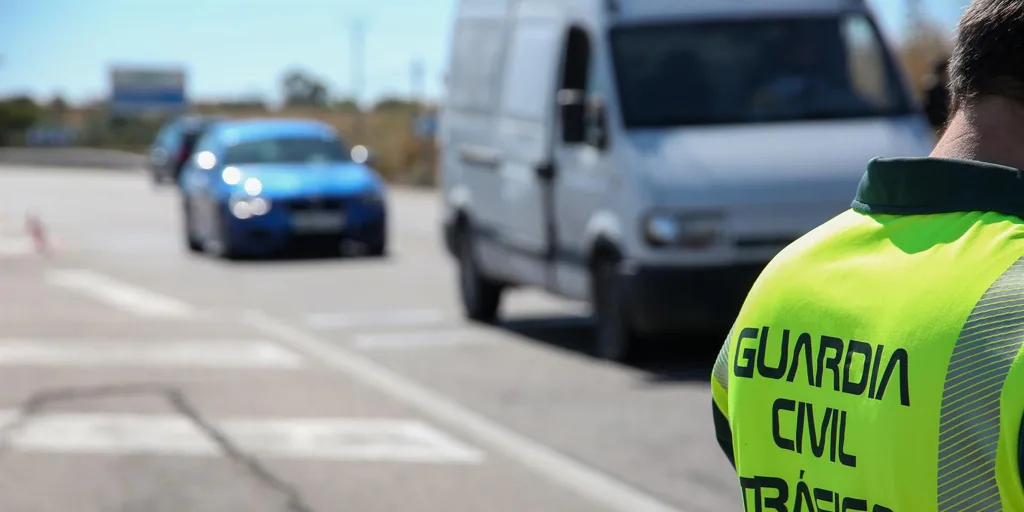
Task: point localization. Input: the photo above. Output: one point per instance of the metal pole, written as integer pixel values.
(416, 85)
(358, 68)
(915, 15)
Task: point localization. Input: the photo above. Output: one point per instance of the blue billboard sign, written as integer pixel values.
(136, 91)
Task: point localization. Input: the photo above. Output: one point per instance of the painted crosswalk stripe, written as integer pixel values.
(16, 246)
(169, 353)
(118, 294)
(385, 440)
(419, 339)
(371, 318)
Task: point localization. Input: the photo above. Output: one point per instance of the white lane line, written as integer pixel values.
(602, 489)
(386, 318)
(118, 294)
(382, 440)
(167, 353)
(419, 339)
(16, 246)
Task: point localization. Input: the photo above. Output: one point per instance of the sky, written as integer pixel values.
(233, 48)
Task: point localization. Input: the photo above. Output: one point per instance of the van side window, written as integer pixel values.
(476, 66)
(576, 72)
(529, 73)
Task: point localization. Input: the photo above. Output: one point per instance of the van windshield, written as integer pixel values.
(755, 70)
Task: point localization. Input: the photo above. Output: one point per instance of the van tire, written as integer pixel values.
(614, 338)
(481, 297)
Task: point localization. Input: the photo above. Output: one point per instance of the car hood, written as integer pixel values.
(316, 178)
(777, 163)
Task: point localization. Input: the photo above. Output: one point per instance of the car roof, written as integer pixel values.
(260, 128)
(196, 122)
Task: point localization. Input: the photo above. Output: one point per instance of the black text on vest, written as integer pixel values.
(827, 362)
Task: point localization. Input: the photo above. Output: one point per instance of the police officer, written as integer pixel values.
(877, 362)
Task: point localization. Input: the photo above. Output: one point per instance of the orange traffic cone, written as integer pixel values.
(36, 229)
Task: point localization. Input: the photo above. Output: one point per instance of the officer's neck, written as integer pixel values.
(989, 130)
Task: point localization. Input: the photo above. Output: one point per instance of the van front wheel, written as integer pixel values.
(614, 338)
(481, 297)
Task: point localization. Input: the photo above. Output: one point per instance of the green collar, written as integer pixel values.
(918, 186)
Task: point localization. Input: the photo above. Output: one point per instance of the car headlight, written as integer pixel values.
(247, 207)
(689, 230)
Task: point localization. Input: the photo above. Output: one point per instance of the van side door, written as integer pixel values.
(525, 133)
(587, 182)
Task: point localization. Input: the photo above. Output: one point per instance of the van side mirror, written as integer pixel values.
(596, 123)
(574, 112)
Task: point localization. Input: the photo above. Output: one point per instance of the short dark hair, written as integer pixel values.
(988, 57)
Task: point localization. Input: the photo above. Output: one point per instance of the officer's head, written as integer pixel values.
(988, 59)
(986, 85)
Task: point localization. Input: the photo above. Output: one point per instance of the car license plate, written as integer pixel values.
(318, 222)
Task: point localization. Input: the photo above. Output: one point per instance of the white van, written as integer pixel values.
(651, 156)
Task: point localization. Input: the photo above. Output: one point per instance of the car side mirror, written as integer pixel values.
(573, 113)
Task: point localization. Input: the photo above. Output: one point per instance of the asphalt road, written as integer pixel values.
(137, 377)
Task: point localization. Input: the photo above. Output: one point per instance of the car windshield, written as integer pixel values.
(287, 150)
(778, 69)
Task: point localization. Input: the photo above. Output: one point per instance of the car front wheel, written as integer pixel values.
(221, 246)
(188, 228)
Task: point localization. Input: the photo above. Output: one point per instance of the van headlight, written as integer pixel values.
(687, 230)
(248, 207)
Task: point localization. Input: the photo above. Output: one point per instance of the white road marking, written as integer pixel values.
(297, 438)
(16, 246)
(419, 339)
(170, 353)
(602, 489)
(386, 318)
(118, 294)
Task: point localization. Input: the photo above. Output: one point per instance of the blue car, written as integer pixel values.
(255, 187)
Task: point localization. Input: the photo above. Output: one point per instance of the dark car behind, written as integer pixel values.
(173, 146)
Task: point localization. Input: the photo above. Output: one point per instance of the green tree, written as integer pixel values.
(17, 115)
(302, 89)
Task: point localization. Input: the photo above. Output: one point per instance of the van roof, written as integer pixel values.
(653, 10)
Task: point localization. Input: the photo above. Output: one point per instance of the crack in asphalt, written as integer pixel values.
(179, 401)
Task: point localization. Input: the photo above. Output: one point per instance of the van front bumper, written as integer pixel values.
(671, 299)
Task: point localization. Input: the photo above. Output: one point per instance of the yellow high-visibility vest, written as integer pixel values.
(876, 363)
